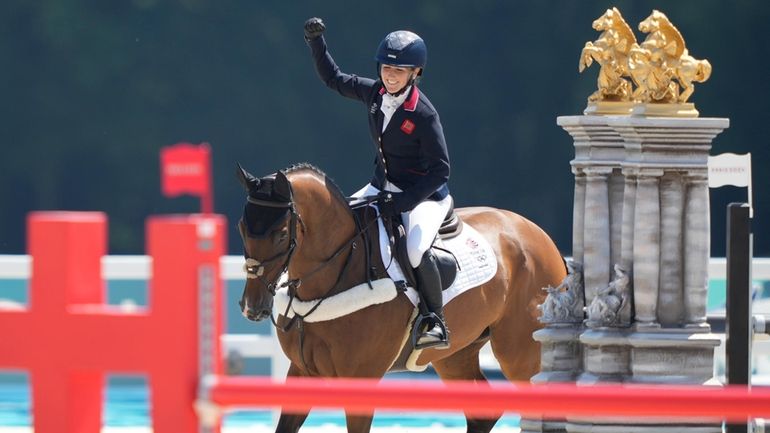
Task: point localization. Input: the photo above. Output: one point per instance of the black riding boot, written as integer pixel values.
(429, 284)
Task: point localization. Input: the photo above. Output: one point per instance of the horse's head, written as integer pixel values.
(606, 21)
(268, 228)
(653, 22)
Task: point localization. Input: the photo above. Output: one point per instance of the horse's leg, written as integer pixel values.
(359, 423)
(291, 422)
(464, 365)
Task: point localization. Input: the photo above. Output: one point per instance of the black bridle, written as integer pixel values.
(255, 269)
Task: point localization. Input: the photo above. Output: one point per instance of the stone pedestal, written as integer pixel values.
(641, 238)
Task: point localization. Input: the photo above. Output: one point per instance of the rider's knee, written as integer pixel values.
(415, 255)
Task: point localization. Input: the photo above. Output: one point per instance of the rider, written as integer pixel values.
(411, 163)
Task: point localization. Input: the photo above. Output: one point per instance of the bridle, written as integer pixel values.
(255, 269)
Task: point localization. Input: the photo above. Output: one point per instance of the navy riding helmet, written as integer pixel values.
(402, 48)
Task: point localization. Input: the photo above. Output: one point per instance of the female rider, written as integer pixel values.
(411, 163)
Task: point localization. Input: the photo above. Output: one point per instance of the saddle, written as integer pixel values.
(449, 267)
(447, 262)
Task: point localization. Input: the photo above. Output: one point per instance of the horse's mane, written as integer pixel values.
(328, 181)
(674, 33)
(626, 31)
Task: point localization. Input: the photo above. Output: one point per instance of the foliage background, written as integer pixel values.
(92, 89)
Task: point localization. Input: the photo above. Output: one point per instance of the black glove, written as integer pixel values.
(390, 203)
(314, 27)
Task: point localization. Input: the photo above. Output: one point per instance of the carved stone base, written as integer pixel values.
(533, 425)
(639, 426)
(672, 356)
(665, 110)
(608, 108)
(560, 353)
(606, 355)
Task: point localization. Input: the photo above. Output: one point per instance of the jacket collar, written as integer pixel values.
(411, 101)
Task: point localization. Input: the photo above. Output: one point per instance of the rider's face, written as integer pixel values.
(396, 77)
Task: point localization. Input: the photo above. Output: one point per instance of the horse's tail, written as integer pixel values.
(702, 71)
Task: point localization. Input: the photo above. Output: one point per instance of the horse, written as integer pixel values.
(610, 50)
(663, 57)
(298, 223)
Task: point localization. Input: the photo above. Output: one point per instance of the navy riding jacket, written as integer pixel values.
(411, 152)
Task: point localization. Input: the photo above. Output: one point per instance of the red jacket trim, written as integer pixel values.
(411, 102)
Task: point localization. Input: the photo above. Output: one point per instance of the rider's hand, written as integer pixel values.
(386, 204)
(314, 27)
(391, 204)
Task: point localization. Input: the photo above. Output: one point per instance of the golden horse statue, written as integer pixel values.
(611, 52)
(662, 60)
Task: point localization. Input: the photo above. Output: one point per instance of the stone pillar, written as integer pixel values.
(642, 227)
(598, 153)
(696, 250)
(670, 297)
(596, 231)
(647, 248)
(578, 220)
(627, 235)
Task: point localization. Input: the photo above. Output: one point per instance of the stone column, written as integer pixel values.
(598, 152)
(647, 248)
(596, 231)
(670, 298)
(627, 235)
(578, 219)
(696, 250)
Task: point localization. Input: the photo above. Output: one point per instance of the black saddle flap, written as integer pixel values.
(447, 267)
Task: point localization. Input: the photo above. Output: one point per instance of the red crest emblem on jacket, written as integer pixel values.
(407, 126)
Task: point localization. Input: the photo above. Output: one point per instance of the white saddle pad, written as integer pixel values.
(477, 262)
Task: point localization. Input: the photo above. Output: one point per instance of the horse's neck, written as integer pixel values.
(325, 247)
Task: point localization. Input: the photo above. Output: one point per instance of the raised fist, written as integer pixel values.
(314, 27)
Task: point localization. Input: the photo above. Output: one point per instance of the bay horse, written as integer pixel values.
(297, 221)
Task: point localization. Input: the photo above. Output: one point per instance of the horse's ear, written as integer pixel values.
(248, 180)
(282, 187)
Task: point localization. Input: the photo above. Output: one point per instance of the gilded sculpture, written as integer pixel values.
(661, 69)
(610, 51)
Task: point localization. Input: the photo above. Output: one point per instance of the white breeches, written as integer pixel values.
(421, 223)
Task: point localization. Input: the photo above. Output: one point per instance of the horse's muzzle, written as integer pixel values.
(254, 314)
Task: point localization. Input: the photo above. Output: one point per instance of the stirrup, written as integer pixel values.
(418, 332)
